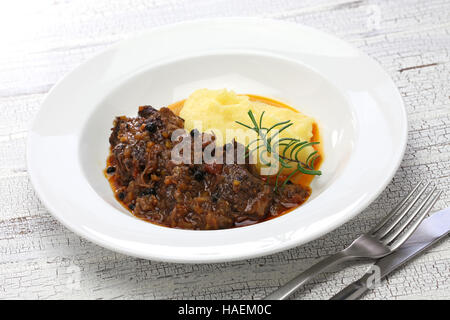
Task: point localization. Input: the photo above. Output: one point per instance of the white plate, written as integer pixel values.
(359, 110)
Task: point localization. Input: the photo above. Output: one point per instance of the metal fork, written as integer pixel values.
(380, 241)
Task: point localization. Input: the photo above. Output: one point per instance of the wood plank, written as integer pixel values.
(39, 257)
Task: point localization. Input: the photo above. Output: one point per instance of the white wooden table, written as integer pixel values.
(41, 41)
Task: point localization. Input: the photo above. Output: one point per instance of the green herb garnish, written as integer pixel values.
(270, 144)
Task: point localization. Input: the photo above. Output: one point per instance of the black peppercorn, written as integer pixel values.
(148, 191)
(131, 206)
(194, 133)
(121, 196)
(110, 170)
(199, 175)
(151, 127)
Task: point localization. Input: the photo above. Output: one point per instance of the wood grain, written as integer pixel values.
(43, 41)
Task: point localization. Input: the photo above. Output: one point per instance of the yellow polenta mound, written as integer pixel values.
(218, 110)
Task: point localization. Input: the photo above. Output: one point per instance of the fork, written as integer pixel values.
(380, 241)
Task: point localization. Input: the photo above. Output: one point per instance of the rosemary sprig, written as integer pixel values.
(270, 144)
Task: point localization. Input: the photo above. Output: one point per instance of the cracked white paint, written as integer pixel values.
(38, 256)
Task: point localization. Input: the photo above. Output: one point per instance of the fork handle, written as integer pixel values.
(289, 288)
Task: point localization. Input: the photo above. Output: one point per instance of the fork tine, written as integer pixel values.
(397, 219)
(392, 235)
(416, 224)
(397, 209)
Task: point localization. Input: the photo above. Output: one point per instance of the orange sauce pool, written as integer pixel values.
(298, 178)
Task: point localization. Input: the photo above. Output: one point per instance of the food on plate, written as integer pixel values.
(201, 193)
(219, 110)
